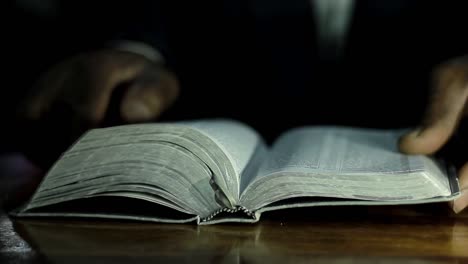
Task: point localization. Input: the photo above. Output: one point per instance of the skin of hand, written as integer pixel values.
(447, 107)
(75, 95)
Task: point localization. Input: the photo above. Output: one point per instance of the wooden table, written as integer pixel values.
(414, 234)
(384, 234)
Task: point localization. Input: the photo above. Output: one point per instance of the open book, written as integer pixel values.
(212, 171)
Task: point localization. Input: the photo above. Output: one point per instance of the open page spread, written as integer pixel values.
(345, 163)
(221, 170)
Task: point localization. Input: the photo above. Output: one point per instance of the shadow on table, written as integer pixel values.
(409, 234)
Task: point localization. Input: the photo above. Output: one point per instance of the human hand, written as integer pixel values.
(448, 106)
(75, 95)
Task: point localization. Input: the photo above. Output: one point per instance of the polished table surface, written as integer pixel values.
(428, 233)
(384, 234)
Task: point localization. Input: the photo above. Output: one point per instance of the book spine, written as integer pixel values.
(237, 209)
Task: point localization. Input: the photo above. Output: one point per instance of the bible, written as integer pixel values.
(218, 170)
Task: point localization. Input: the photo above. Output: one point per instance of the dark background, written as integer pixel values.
(255, 61)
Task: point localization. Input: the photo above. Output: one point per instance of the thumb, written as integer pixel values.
(447, 106)
(149, 95)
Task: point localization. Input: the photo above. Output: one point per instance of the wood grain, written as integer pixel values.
(409, 234)
(429, 233)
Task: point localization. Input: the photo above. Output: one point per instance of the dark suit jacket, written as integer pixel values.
(256, 60)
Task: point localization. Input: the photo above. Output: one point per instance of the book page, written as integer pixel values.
(236, 139)
(162, 163)
(243, 146)
(341, 150)
(171, 164)
(347, 163)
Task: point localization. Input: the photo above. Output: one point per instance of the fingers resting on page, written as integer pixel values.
(447, 107)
